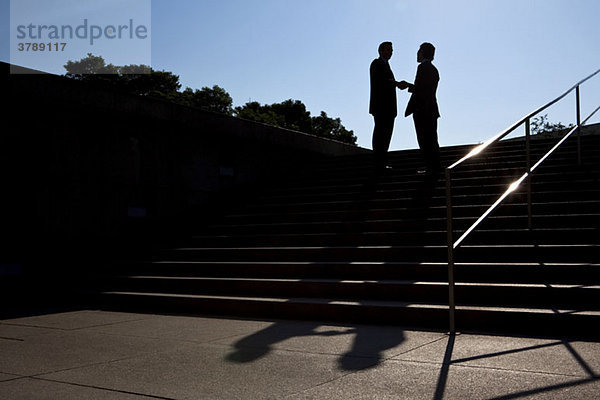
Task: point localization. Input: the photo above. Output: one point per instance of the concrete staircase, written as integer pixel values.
(338, 242)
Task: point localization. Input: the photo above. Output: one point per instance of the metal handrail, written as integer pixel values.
(480, 148)
(453, 245)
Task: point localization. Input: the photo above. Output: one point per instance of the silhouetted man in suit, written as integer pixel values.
(383, 102)
(424, 108)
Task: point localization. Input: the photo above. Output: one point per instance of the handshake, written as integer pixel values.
(403, 85)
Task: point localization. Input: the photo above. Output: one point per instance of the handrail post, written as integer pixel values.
(528, 164)
(450, 243)
(578, 106)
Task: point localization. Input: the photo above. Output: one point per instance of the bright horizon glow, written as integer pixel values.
(498, 60)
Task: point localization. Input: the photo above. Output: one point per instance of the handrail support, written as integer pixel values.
(528, 165)
(578, 106)
(450, 241)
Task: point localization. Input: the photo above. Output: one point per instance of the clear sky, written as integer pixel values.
(498, 59)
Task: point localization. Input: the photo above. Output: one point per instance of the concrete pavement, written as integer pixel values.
(90, 354)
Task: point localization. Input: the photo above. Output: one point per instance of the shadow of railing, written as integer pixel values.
(442, 381)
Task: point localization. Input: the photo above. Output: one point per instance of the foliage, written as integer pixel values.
(143, 80)
(90, 65)
(253, 111)
(138, 79)
(292, 114)
(540, 125)
(215, 99)
(332, 128)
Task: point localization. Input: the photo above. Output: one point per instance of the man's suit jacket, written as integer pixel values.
(423, 100)
(383, 89)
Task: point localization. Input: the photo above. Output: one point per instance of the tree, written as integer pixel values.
(90, 65)
(292, 114)
(332, 129)
(155, 83)
(215, 99)
(138, 79)
(253, 111)
(144, 81)
(540, 125)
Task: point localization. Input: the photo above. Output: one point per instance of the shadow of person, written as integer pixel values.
(260, 344)
(369, 346)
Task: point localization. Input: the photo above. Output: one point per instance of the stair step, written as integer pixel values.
(519, 272)
(408, 174)
(399, 190)
(499, 156)
(335, 241)
(498, 236)
(467, 253)
(434, 316)
(471, 210)
(407, 225)
(414, 198)
(473, 293)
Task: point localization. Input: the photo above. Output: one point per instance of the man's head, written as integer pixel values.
(426, 52)
(386, 50)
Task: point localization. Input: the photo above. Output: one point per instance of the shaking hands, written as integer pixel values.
(403, 85)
